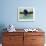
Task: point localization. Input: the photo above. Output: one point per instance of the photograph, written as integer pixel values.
(26, 14)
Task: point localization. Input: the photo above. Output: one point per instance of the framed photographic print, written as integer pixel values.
(26, 14)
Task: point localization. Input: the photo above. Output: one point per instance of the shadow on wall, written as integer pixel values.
(2, 26)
